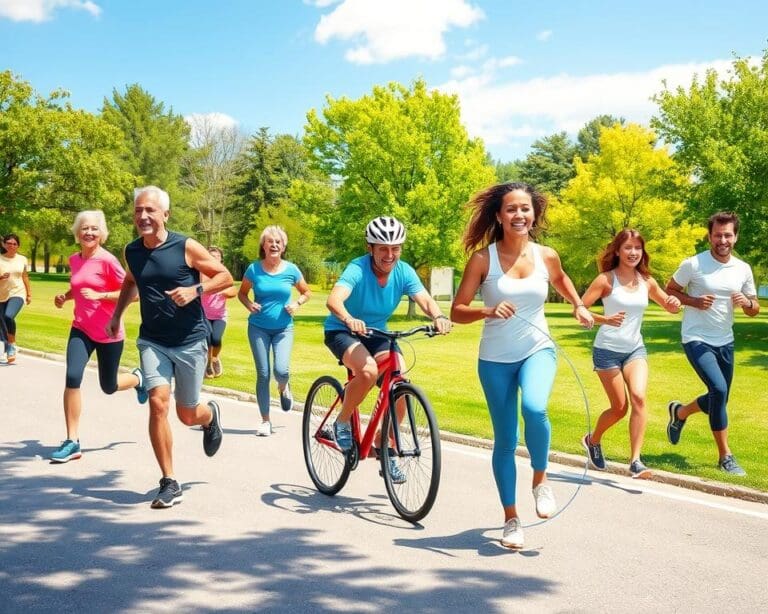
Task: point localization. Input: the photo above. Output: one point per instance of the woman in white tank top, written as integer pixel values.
(619, 356)
(517, 359)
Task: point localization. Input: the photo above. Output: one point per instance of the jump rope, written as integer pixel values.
(583, 478)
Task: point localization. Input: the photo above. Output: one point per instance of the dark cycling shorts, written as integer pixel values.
(339, 341)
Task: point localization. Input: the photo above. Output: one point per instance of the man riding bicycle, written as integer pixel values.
(366, 295)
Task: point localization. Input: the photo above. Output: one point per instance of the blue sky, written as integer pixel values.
(522, 69)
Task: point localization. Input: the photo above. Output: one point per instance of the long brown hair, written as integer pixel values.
(484, 228)
(609, 259)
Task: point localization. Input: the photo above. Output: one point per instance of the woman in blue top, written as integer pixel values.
(270, 323)
(517, 357)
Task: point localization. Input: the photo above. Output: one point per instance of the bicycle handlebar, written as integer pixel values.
(428, 329)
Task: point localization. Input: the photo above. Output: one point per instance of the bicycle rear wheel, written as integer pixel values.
(327, 465)
(411, 468)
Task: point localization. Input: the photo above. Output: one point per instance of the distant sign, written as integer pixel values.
(441, 282)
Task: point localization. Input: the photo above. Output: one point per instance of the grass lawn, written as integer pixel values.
(445, 367)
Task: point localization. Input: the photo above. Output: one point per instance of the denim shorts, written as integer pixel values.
(604, 360)
(339, 341)
(184, 363)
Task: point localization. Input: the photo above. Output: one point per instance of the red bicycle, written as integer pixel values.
(405, 416)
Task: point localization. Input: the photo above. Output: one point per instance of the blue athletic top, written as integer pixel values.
(370, 302)
(155, 271)
(273, 292)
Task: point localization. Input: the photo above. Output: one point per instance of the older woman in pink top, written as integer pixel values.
(94, 286)
(215, 308)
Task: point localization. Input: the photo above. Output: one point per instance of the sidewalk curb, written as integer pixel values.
(683, 481)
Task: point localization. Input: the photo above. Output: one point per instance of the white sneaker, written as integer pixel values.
(264, 430)
(512, 536)
(545, 501)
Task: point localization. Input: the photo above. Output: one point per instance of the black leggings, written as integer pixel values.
(8, 312)
(79, 349)
(217, 332)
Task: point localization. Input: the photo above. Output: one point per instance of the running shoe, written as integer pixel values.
(512, 536)
(342, 432)
(169, 494)
(142, 396)
(675, 424)
(216, 367)
(545, 501)
(397, 475)
(10, 351)
(638, 470)
(68, 450)
(286, 399)
(212, 433)
(595, 452)
(729, 465)
(3, 358)
(264, 430)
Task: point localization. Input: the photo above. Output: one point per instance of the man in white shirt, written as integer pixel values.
(712, 285)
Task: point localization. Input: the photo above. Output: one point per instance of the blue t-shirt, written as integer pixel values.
(273, 292)
(370, 302)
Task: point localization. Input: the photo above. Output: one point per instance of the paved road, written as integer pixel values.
(253, 535)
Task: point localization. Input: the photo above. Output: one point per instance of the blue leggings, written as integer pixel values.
(8, 312)
(281, 343)
(714, 365)
(534, 377)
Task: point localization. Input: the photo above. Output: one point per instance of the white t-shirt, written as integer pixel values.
(514, 339)
(703, 274)
(13, 285)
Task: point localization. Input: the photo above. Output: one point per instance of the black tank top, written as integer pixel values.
(155, 271)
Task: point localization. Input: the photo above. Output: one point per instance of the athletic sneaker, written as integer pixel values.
(3, 358)
(142, 396)
(729, 465)
(212, 433)
(342, 432)
(397, 475)
(10, 351)
(286, 399)
(595, 452)
(545, 501)
(675, 424)
(216, 367)
(264, 430)
(512, 536)
(68, 450)
(169, 494)
(639, 470)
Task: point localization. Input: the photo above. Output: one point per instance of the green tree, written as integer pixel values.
(629, 184)
(588, 139)
(719, 129)
(549, 166)
(507, 171)
(398, 151)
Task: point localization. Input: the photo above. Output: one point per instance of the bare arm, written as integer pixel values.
(128, 294)
(749, 304)
(27, 286)
(565, 288)
(664, 300)
(600, 288)
(304, 295)
(474, 273)
(242, 296)
(335, 304)
(698, 302)
(199, 258)
(430, 307)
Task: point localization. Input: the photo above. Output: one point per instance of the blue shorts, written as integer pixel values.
(605, 360)
(185, 364)
(339, 341)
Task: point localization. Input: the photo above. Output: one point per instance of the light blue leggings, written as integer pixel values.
(534, 377)
(281, 342)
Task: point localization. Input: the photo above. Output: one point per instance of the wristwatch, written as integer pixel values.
(199, 289)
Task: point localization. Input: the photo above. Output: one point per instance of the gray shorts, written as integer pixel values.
(185, 364)
(604, 360)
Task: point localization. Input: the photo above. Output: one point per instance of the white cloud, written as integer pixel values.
(42, 10)
(504, 113)
(544, 36)
(461, 71)
(476, 52)
(204, 124)
(380, 32)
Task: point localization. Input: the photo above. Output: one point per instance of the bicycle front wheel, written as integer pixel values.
(411, 463)
(327, 465)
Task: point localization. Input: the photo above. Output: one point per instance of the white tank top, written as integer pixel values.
(514, 339)
(626, 337)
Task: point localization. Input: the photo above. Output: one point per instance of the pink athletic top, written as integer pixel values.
(101, 272)
(215, 306)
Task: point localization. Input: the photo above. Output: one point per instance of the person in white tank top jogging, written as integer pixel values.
(516, 359)
(618, 354)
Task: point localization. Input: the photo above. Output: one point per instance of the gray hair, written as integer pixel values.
(101, 222)
(161, 196)
(272, 231)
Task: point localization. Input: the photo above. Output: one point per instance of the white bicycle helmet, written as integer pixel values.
(385, 230)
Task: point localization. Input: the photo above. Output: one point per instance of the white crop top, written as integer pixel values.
(627, 337)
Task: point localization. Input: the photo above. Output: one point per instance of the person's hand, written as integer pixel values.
(293, 307)
(5, 276)
(112, 328)
(672, 304)
(584, 316)
(29, 299)
(355, 325)
(91, 294)
(504, 310)
(739, 300)
(616, 319)
(705, 302)
(183, 295)
(253, 307)
(59, 300)
(442, 325)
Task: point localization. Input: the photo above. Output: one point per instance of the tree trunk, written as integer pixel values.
(34, 256)
(46, 257)
(411, 308)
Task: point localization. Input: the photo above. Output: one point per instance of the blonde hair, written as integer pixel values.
(272, 231)
(101, 222)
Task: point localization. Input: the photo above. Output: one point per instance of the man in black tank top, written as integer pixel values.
(164, 269)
